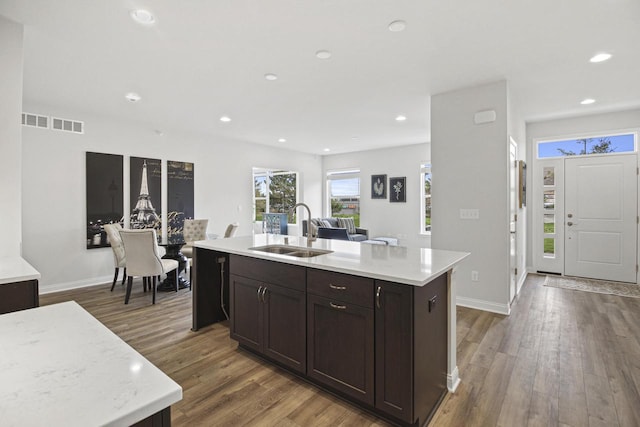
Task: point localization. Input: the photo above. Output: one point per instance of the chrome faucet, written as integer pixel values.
(310, 237)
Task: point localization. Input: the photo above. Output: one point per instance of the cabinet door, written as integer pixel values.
(394, 350)
(284, 334)
(246, 311)
(340, 346)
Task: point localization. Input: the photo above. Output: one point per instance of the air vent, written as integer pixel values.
(67, 125)
(35, 120)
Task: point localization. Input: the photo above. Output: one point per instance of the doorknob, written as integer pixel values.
(569, 223)
(569, 215)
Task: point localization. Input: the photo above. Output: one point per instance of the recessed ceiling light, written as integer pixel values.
(142, 16)
(133, 97)
(587, 101)
(323, 54)
(159, 132)
(601, 57)
(271, 77)
(282, 140)
(401, 118)
(397, 26)
(225, 119)
(326, 150)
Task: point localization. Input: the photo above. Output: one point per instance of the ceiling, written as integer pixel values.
(204, 59)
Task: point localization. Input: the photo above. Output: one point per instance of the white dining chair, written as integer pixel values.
(231, 230)
(143, 259)
(119, 259)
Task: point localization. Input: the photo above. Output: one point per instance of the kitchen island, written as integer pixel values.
(59, 366)
(373, 324)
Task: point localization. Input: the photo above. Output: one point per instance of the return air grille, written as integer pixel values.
(35, 120)
(67, 125)
(55, 123)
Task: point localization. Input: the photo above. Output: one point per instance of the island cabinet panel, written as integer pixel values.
(394, 350)
(340, 346)
(430, 346)
(246, 317)
(268, 309)
(18, 296)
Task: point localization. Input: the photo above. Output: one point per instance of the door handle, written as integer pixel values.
(264, 293)
(338, 306)
(259, 290)
(571, 223)
(378, 291)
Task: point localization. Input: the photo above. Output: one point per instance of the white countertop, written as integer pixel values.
(59, 366)
(411, 266)
(16, 269)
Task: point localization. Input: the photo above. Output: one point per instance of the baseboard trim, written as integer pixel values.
(453, 380)
(483, 305)
(67, 286)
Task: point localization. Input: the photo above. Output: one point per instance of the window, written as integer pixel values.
(343, 190)
(425, 205)
(274, 191)
(549, 215)
(624, 143)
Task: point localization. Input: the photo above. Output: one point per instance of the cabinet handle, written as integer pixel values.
(264, 293)
(259, 290)
(378, 291)
(338, 306)
(337, 288)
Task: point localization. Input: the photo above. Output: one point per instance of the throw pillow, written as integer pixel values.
(325, 223)
(347, 223)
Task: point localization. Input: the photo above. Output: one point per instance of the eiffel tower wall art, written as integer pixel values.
(145, 193)
(105, 198)
(179, 196)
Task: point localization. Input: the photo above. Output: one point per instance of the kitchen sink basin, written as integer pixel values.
(295, 251)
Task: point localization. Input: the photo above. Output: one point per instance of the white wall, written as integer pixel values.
(11, 56)
(381, 217)
(572, 127)
(54, 215)
(470, 171)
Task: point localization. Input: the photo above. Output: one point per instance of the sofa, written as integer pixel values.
(335, 231)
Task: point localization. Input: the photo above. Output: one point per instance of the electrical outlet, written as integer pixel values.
(475, 276)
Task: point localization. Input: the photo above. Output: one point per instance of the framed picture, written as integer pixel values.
(398, 189)
(378, 186)
(105, 196)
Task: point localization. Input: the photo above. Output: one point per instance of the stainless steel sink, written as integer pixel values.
(295, 251)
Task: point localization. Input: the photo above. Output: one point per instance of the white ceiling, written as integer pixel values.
(203, 59)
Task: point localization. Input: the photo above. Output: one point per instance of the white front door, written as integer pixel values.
(600, 217)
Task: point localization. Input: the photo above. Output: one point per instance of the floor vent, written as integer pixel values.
(35, 120)
(67, 125)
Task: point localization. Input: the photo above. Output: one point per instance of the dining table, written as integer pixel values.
(173, 244)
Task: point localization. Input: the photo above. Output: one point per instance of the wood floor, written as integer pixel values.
(563, 358)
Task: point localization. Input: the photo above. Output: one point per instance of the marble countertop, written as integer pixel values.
(59, 366)
(411, 266)
(16, 269)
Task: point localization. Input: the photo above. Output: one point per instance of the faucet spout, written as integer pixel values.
(310, 237)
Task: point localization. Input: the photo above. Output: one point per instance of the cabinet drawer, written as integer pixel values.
(290, 276)
(340, 287)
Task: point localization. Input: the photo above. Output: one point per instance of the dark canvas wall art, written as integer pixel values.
(179, 196)
(105, 200)
(145, 193)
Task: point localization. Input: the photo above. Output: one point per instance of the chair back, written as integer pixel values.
(113, 233)
(231, 230)
(194, 230)
(141, 250)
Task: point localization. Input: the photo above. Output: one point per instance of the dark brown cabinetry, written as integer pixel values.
(411, 348)
(268, 309)
(380, 344)
(18, 296)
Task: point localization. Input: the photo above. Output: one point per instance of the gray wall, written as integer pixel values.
(10, 136)
(470, 171)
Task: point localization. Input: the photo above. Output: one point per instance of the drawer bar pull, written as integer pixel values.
(336, 287)
(338, 306)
